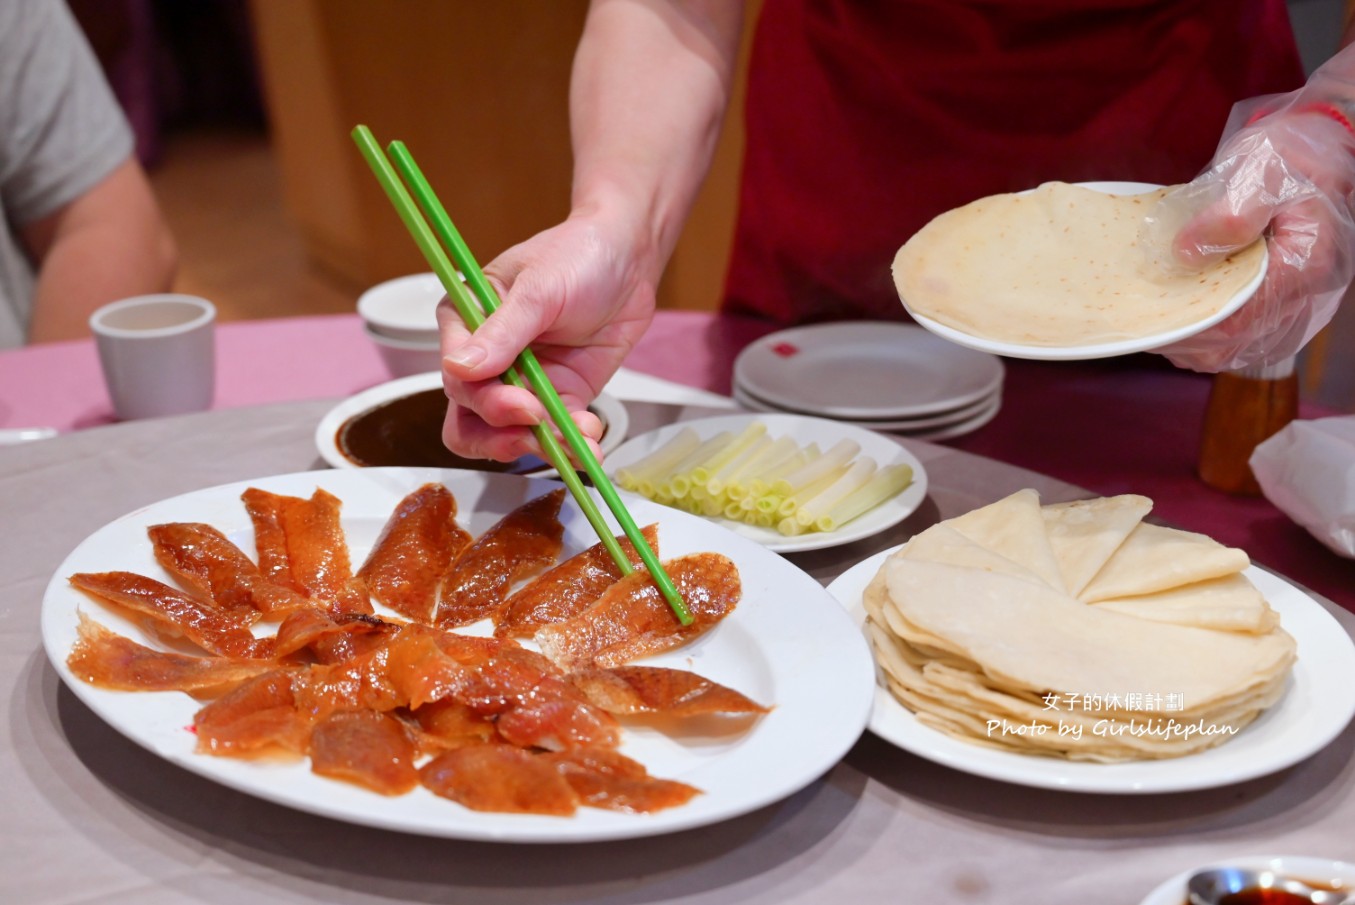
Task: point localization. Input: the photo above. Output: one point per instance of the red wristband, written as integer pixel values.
(1326, 108)
(1329, 110)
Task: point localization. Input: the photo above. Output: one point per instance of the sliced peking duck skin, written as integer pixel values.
(655, 689)
(370, 749)
(301, 544)
(417, 544)
(203, 559)
(632, 619)
(523, 543)
(173, 613)
(568, 588)
(109, 660)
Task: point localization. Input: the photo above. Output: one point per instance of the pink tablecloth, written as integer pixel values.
(1112, 426)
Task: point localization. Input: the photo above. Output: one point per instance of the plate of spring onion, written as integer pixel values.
(786, 481)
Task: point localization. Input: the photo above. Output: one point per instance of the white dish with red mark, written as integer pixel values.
(865, 370)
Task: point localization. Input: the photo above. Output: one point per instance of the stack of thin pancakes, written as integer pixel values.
(1076, 630)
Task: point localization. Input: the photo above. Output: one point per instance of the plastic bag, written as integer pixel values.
(1308, 471)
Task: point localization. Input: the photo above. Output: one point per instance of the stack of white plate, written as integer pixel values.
(875, 374)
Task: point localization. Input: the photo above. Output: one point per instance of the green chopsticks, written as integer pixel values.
(473, 315)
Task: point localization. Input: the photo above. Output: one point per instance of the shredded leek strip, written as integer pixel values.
(834, 459)
(762, 484)
(735, 466)
(884, 484)
(771, 455)
(678, 482)
(790, 527)
(791, 504)
(659, 462)
(702, 473)
(768, 503)
(849, 481)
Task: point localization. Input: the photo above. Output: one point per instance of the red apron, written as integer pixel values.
(866, 118)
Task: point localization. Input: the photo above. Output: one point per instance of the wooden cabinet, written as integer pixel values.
(478, 90)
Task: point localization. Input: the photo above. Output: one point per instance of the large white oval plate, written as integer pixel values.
(1097, 350)
(787, 644)
(1315, 709)
(804, 430)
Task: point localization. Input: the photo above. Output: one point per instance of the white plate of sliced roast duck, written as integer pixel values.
(453, 653)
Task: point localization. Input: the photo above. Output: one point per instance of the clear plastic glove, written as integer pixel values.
(1285, 171)
(581, 296)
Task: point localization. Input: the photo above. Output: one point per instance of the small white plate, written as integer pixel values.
(804, 431)
(609, 409)
(1096, 350)
(864, 370)
(1315, 709)
(1316, 870)
(772, 647)
(964, 418)
(959, 428)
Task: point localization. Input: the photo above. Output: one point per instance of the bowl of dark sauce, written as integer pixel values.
(400, 424)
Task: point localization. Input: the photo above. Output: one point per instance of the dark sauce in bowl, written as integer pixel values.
(408, 432)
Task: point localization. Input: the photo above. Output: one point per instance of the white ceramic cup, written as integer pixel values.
(158, 354)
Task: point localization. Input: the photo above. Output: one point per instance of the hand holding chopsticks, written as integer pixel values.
(473, 314)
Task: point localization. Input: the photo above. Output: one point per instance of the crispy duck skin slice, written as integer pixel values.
(631, 619)
(366, 748)
(205, 560)
(106, 659)
(554, 716)
(416, 546)
(174, 613)
(499, 778)
(260, 715)
(446, 724)
(610, 780)
(270, 543)
(301, 544)
(656, 689)
(523, 543)
(332, 637)
(568, 588)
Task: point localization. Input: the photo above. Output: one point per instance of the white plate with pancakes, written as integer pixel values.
(1057, 273)
(1316, 701)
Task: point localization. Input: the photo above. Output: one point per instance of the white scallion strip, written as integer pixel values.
(679, 482)
(849, 481)
(735, 466)
(834, 459)
(702, 473)
(661, 460)
(773, 454)
(884, 484)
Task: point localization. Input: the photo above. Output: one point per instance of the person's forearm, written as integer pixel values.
(650, 85)
(109, 244)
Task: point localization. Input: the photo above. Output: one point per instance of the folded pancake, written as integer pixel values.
(1230, 604)
(1153, 558)
(1014, 528)
(1084, 534)
(1059, 266)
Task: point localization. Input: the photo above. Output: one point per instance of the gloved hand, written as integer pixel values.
(582, 294)
(1285, 170)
